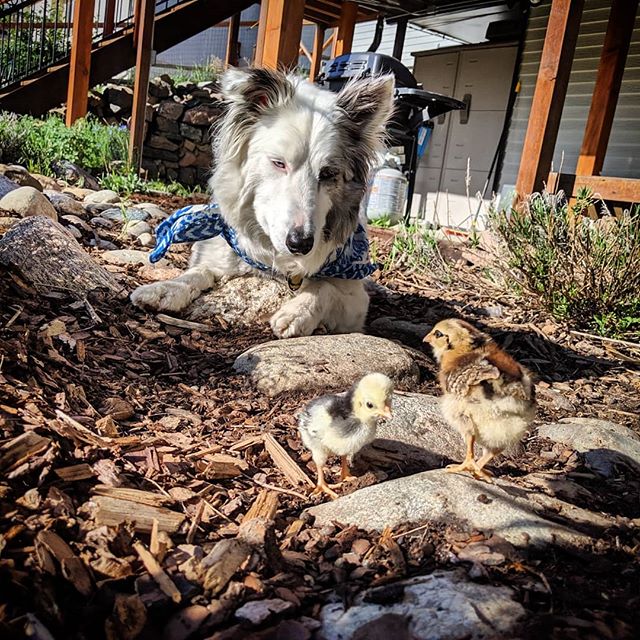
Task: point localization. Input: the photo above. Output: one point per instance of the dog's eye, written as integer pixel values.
(279, 164)
(327, 173)
(369, 405)
(437, 334)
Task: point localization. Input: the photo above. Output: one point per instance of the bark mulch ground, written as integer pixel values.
(107, 415)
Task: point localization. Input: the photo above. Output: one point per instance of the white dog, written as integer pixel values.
(290, 170)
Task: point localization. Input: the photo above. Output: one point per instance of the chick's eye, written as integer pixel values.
(279, 164)
(327, 173)
(437, 334)
(369, 405)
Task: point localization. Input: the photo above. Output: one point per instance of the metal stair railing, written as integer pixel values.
(36, 34)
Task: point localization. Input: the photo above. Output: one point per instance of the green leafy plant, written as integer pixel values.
(582, 269)
(38, 144)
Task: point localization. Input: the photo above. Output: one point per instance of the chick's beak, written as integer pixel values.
(427, 339)
(386, 412)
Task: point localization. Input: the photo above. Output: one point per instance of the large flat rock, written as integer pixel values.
(452, 498)
(444, 605)
(242, 302)
(419, 433)
(605, 445)
(315, 363)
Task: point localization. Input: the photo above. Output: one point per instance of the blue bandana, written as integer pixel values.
(200, 222)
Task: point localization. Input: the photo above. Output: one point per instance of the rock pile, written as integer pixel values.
(179, 117)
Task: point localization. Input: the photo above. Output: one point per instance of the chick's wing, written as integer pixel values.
(466, 375)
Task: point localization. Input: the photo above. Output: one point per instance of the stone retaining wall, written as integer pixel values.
(179, 118)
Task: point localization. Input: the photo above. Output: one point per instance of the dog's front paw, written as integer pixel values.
(293, 320)
(169, 295)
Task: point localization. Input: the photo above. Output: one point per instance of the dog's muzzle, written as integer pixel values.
(299, 241)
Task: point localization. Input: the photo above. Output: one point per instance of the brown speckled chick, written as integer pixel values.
(488, 396)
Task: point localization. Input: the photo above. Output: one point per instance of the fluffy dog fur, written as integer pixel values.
(289, 157)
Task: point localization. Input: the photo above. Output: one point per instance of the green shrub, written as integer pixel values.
(582, 269)
(37, 144)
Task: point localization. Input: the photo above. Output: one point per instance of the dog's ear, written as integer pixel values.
(256, 89)
(368, 103)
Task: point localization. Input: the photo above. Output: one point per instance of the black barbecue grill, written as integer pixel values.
(414, 107)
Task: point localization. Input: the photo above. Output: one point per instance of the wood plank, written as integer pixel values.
(109, 17)
(262, 27)
(398, 42)
(607, 88)
(80, 63)
(318, 49)
(550, 92)
(144, 50)
(603, 187)
(233, 45)
(283, 32)
(346, 26)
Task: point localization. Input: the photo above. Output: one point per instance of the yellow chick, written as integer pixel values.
(341, 424)
(488, 396)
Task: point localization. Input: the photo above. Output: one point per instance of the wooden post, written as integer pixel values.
(548, 98)
(262, 27)
(80, 64)
(316, 56)
(607, 88)
(233, 45)
(283, 30)
(398, 42)
(109, 17)
(346, 25)
(144, 50)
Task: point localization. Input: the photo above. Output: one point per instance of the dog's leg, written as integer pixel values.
(340, 306)
(210, 260)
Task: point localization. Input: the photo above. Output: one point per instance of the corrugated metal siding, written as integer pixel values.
(624, 144)
(415, 40)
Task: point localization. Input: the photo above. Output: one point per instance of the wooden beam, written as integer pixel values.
(603, 187)
(283, 31)
(398, 42)
(144, 51)
(318, 49)
(346, 26)
(304, 51)
(233, 46)
(548, 98)
(607, 87)
(329, 41)
(80, 63)
(262, 27)
(109, 17)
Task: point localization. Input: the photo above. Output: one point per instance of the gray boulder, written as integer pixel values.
(20, 176)
(242, 302)
(606, 446)
(444, 605)
(418, 432)
(315, 363)
(127, 215)
(27, 201)
(65, 204)
(126, 256)
(438, 496)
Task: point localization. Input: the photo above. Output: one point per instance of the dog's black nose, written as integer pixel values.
(299, 241)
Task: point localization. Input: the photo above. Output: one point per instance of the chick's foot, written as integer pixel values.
(326, 489)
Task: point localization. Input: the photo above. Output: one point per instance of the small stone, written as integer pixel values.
(170, 109)
(74, 174)
(136, 228)
(27, 201)
(152, 209)
(203, 115)
(20, 176)
(108, 246)
(126, 215)
(146, 240)
(78, 192)
(74, 231)
(258, 611)
(105, 196)
(6, 185)
(64, 204)
(126, 256)
(102, 223)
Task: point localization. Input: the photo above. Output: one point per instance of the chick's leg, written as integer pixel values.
(345, 472)
(468, 464)
(486, 457)
(322, 486)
